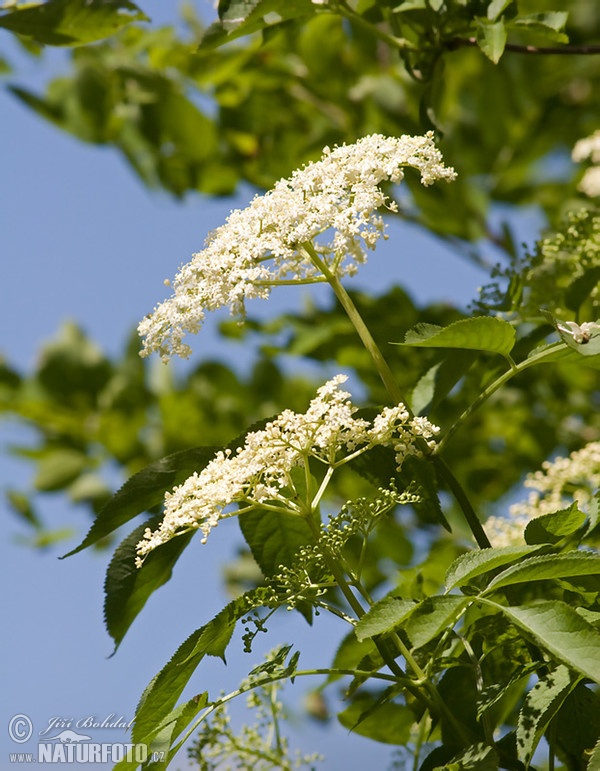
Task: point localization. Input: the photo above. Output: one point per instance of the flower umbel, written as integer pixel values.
(559, 483)
(264, 245)
(260, 472)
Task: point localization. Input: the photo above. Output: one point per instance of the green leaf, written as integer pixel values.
(350, 653)
(594, 761)
(491, 38)
(496, 7)
(274, 538)
(380, 721)
(476, 563)
(578, 725)
(384, 616)
(58, 468)
(145, 490)
(548, 566)
(212, 639)
(128, 588)
(560, 631)
(243, 17)
(71, 22)
(170, 729)
(554, 20)
(541, 704)
(161, 742)
(571, 353)
(551, 528)
(439, 380)
(578, 292)
(480, 756)
(433, 616)
(482, 333)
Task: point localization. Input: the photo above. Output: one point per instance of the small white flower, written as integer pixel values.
(581, 333)
(264, 245)
(559, 483)
(260, 471)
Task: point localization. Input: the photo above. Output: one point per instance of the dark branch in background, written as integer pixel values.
(565, 50)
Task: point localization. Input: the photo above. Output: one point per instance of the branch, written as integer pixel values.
(565, 50)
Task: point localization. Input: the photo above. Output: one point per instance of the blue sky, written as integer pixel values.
(81, 239)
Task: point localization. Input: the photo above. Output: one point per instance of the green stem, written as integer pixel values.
(402, 44)
(515, 369)
(393, 389)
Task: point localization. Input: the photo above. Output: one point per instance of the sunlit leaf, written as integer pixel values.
(551, 528)
(71, 22)
(491, 38)
(482, 333)
(548, 566)
(476, 563)
(541, 704)
(384, 616)
(560, 631)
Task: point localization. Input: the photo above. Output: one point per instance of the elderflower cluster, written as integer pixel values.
(559, 483)
(260, 471)
(589, 149)
(266, 243)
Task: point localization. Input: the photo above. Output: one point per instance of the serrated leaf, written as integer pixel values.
(548, 566)
(161, 743)
(594, 760)
(541, 704)
(491, 38)
(145, 490)
(384, 616)
(482, 333)
(560, 631)
(212, 639)
(551, 528)
(431, 617)
(71, 22)
(244, 17)
(476, 563)
(128, 588)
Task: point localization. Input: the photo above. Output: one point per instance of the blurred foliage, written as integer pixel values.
(191, 114)
(509, 88)
(96, 420)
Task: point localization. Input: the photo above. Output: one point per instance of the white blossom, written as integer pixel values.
(260, 472)
(258, 247)
(560, 483)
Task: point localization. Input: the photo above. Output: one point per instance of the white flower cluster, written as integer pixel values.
(260, 471)
(559, 483)
(264, 244)
(589, 148)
